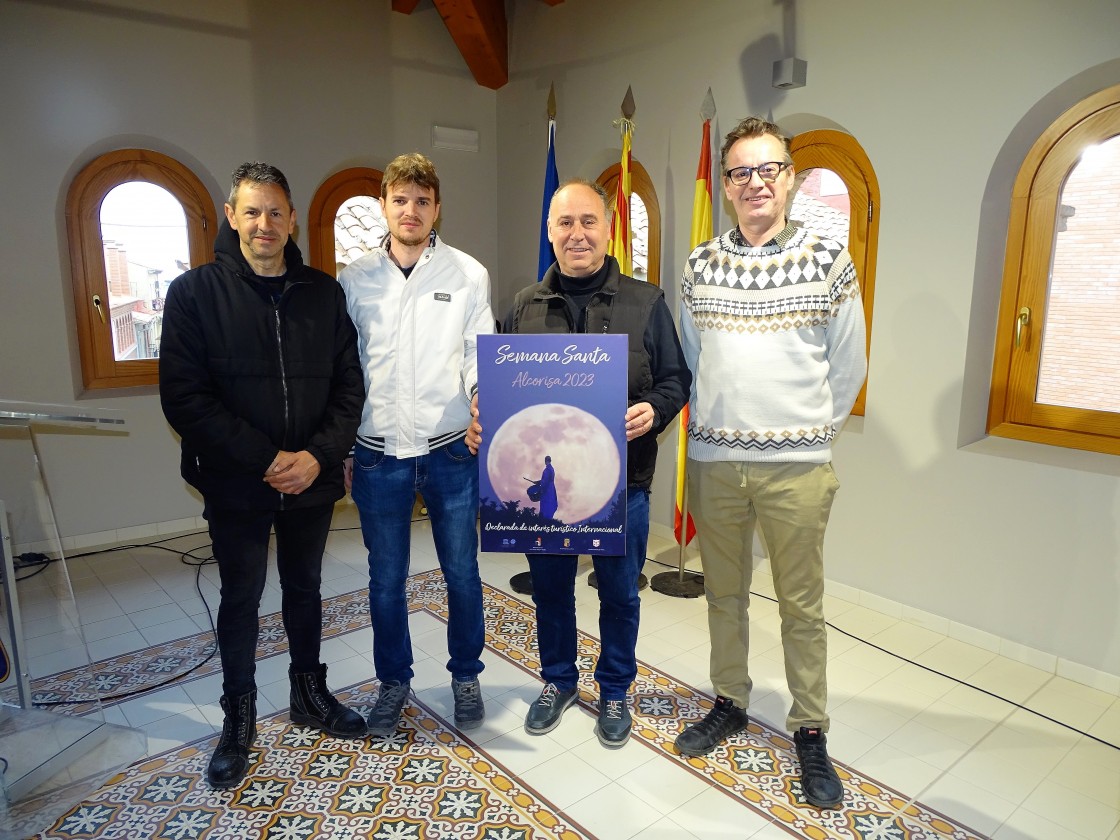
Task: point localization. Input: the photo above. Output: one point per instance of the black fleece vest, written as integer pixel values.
(622, 306)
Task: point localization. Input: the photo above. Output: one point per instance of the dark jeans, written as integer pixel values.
(554, 578)
(240, 540)
(384, 490)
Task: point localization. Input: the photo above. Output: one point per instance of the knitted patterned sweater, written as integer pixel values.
(775, 339)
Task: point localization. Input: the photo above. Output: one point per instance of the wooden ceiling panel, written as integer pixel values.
(479, 30)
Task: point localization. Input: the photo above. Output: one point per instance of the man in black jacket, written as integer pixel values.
(584, 292)
(259, 375)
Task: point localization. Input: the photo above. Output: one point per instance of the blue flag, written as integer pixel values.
(551, 182)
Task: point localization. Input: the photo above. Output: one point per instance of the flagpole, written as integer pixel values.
(680, 584)
(522, 582)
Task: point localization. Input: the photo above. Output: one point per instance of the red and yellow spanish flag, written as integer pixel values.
(701, 231)
(620, 246)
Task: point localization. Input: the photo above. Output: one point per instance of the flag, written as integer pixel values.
(621, 247)
(701, 231)
(551, 182)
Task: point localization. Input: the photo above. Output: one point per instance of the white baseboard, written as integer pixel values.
(663, 548)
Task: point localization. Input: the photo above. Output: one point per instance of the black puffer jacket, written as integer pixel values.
(242, 377)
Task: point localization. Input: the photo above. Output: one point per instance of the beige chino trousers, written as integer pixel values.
(790, 503)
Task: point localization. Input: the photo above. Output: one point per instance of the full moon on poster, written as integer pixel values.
(583, 452)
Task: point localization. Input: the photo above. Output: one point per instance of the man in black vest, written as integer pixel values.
(584, 292)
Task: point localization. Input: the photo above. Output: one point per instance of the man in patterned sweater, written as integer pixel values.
(773, 330)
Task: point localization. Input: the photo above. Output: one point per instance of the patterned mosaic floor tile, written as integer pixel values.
(426, 781)
(422, 782)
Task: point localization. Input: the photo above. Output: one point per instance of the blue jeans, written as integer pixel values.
(240, 544)
(554, 577)
(384, 490)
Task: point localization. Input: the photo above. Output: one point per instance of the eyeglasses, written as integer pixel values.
(768, 172)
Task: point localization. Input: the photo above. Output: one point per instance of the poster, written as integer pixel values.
(552, 466)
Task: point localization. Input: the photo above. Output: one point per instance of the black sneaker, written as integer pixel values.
(545, 712)
(469, 708)
(613, 728)
(819, 783)
(724, 720)
(386, 712)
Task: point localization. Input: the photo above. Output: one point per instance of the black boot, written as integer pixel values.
(230, 761)
(313, 705)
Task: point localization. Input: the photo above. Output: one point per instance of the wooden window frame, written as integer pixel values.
(641, 184)
(340, 186)
(1031, 232)
(100, 367)
(841, 153)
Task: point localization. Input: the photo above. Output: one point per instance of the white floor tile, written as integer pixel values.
(565, 779)
(1027, 825)
(713, 815)
(968, 803)
(613, 813)
(664, 787)
(1076, 811)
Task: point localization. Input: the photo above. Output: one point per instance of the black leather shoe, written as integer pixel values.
(545, 712)
(230, 762)
(469, 708)
(386, 713)
(613, 726)
(819, 783)
(724, 720)
(313, 705)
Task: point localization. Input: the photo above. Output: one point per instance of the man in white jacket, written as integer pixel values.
(418, 305)
(773, 330)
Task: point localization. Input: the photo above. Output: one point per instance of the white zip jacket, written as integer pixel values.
(417, 337)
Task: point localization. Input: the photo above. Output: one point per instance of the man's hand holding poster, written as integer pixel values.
(553, 457)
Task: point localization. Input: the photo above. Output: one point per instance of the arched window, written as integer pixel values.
(345, 220)
(645, 219)
(135, 220)
(837, 194)
(1054, 378)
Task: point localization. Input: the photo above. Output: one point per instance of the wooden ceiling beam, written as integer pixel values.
(478, 28)
(553, 2)
(405, 7)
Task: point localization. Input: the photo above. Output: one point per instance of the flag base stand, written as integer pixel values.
(522, 583)
(593, 581)
(678, 585)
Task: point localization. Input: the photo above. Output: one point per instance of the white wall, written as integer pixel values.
(1016, 539)
(310, 87)
(945, 97)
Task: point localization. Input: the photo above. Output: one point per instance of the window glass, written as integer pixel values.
(639, 237)
(1081, 332)
(821, 204)
(144, 240)
(135, 220)
(359, 227)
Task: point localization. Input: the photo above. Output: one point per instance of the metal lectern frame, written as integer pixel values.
(50, 767)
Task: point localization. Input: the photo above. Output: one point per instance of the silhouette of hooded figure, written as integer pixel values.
(548, 489)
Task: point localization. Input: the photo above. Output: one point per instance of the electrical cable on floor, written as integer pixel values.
(957, 680)
(185, 557)
(207, 561)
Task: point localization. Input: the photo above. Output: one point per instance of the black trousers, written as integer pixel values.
(240, 540)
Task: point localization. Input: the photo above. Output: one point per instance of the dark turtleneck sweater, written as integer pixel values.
(578, 292)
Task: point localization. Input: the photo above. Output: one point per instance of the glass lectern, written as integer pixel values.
(54, 751)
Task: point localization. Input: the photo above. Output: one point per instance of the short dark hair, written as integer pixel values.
(594, 186)
(256, 172)
(751, 127)
(411, 168)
